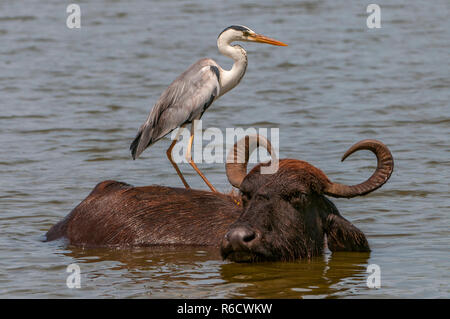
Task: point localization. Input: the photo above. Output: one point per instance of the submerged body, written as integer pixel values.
(116, 214)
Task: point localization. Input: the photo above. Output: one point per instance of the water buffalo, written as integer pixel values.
(279, 216)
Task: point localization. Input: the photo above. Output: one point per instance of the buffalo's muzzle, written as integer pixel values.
(238, 243)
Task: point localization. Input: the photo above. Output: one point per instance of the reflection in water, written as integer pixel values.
(330, 275)
(144, 257)
(319, 277)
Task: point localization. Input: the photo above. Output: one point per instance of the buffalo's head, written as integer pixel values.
(285, 214)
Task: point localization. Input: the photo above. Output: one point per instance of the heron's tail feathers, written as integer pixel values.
(142, 140)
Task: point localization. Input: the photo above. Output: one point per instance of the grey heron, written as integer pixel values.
(190, 95)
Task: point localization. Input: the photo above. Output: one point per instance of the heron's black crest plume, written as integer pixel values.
(235, 27)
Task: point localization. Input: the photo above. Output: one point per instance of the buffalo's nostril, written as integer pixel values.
(249, 237)
(240, 237)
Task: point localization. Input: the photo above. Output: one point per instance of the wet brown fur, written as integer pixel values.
(291, 216)
(116, 213)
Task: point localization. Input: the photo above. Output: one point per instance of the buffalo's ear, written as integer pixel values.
(343, 235)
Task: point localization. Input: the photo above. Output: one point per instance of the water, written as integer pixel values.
(72, 100)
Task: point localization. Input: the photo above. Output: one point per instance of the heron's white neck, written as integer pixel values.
(229, 79)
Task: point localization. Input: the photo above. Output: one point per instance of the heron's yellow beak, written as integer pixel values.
(263, 39)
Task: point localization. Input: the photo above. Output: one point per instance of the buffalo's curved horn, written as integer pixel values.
(382, 173)
(238, 157)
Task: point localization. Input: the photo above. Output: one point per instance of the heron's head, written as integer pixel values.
(242, 33)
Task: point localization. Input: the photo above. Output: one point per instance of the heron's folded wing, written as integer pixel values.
(183, 101)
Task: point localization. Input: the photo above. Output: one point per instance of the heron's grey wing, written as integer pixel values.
(183, 101)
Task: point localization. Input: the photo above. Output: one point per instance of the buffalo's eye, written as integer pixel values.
(295, 198)
(262, 196)
(246, 196)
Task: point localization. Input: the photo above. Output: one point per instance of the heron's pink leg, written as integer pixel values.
(169, 155)
(189, 159)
